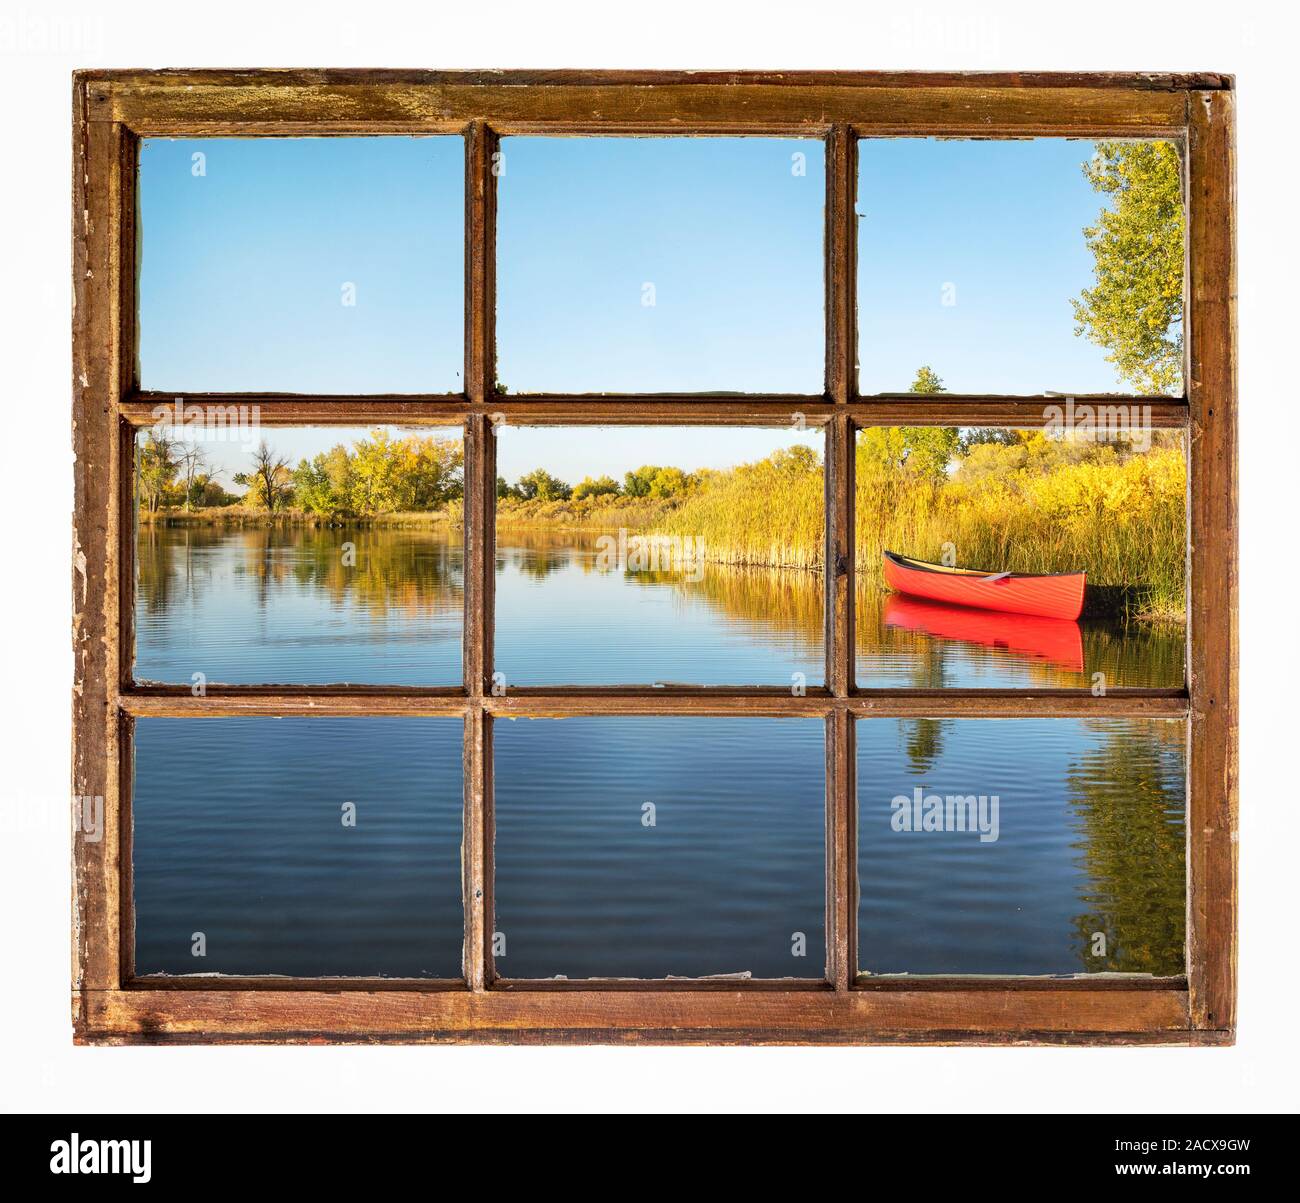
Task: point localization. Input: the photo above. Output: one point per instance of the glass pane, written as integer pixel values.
(1036, 266)
(657, 555)
(655, 847)
(661, 265)
(350, 569)
(1102, 512)
(326, 265)
(1032, 846)
(300, 846)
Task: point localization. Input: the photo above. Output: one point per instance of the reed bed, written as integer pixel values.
(605, 512)
(771, 514)
(1124, 523)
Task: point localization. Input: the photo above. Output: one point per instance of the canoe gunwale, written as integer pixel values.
(911, 565)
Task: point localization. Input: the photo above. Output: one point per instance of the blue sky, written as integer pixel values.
(969, 253)
(1002, 223)
(728, 233)
(243, 268)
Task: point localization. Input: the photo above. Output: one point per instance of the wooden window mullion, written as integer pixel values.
(480, 557)
(838, 576)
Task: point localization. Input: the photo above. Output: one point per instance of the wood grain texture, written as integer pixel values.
(1160, 81)
(253, 702)
(841, 850)
(480, 547)
(209, 103)
(840, 555)
(100, 208)
(601, 1016)
(839, 455)
(684, 409)
(476, 850)
(1000, 703)
(234, 701)
(841, 245)
(1212, 387)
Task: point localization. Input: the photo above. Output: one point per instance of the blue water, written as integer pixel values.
(239, 835)
(563, 619)
(278, 606)
(237, 821)
(1090, 840)
(266, 606)
(727, 880)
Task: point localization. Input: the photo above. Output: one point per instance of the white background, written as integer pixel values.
(40, 44)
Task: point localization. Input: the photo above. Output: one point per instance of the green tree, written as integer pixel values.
(192, 464)
(980, 436)
(311, 487)
(637, 483)
(1135, 309)
(796, 459)
(654, 480)
(924, 451)
(540, 485)
(270, 483)
(430, 472)
(669, 482)
(600, 486)
(927, 381)
(158, 464)
(376, 473)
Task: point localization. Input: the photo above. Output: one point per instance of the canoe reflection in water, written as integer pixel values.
(1056, 640)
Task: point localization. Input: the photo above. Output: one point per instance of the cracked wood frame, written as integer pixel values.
(113, 110)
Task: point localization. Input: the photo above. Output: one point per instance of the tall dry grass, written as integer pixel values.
(771, 513)
(605, 512)
(1122, 522)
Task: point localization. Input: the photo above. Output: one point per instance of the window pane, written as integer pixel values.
(353, 571)
(327, 265)
(1111, 505)
(1048, 265)
(1034, 846)
(661, 265)
(680, 555)
(655, 847)
(298, 846)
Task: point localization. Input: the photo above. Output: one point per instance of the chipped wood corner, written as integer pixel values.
(113, 110)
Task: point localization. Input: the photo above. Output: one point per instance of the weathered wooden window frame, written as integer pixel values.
(113, 110)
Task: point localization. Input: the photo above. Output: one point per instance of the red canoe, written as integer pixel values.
(1059, 596)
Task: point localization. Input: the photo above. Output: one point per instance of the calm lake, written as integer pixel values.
(625, 846)
(284, 606)
(654, 847)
